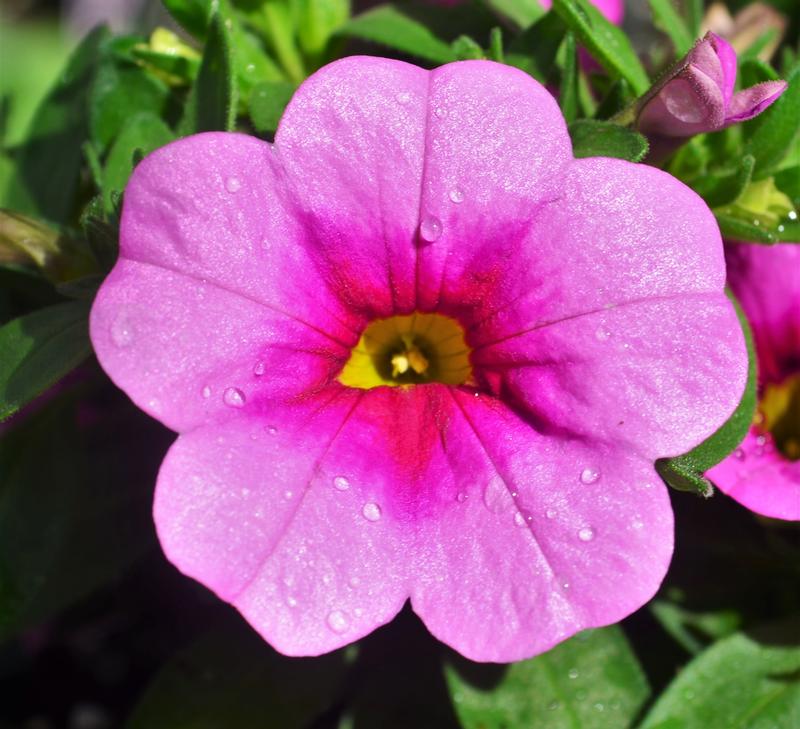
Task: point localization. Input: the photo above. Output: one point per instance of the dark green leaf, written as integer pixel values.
(120, 90)
(718, 190)
(568, 96)
(47, 167)
(749, 680)
(595, 138)
(211, 105)
(232, 678)
(534, 51)
(618, 97)
(465, 48)
(38, 350)
(267, 103)
(495, 52)
(776, 129)
(685, 473)
(591, 681)
(101, 230)
(193, 15)
(737, 228)
(388, 25)
(520, 12)
(680, 623)
(145, 132)
(666, 17)
(788, 182)
(607, 43)
(755, 71)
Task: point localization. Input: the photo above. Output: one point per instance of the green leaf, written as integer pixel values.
(568, 97)
(749, 680)
(591, 681)
(607, 43)
(144, 131)
(679, 623)
(174, 66)
(495, 52)
(618, 97)
(667, 19)
(595, 138)
(38, 350)
(211, 105)
(465, 48)
(534, 51)
(685, 473)
(317, 21)
(232, 678)
(101, 230)
(47, 166)
(193, 15)
(267, 103)
(788, 182)
(776, 130)
(755, 71)
(388, 25)
(121, 89)
(694, 11)
(522, 13)
(719, 190)
(64, 531)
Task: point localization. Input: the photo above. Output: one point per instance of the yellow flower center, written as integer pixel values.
(779, 413)
(409, 350)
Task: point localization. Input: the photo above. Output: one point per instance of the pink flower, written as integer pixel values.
(558, 324)
(764, 473)
(698, 96)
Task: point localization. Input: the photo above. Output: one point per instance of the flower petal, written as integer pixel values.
(553, 537)
(759, 477)
(496, 150)
(352, 141)
(751, 102)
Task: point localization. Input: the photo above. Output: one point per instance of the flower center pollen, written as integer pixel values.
(780, 410)
(409, 350)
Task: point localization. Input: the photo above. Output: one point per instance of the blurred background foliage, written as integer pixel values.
(97, 630)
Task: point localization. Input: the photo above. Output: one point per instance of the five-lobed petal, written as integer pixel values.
(514, 510)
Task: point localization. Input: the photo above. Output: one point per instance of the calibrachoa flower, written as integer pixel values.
(415, 350)
(764, 473)
(698, 96)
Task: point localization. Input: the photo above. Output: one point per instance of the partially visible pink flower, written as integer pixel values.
(764, 473)
(415, 350)
(698, 96)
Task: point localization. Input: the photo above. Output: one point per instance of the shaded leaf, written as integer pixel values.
(592, 680)
(193, 15)
(568, 97)
(718, 190)
(267, 103)
(666, 17)
(679, 622)
(520, 12)
(595, 138)
(534, 50)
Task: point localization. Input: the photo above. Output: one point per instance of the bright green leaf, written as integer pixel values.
(592, 681)
(607, 43)
(666, 17)
(748, 681)
(232, 678)
(317, 21)
(495, 52)
(685, 473)
(267, 103)
(144, 131)
(465, 48)
(595, 138)
(522, 13)
(388, 25)
(568, 96)
(47, 166)
(38, 349)
(211, 105)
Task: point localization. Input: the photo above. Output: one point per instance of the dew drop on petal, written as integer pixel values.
(586, 534)
(589, 475)
(259, 369)
(371, 511)
(496, 496)
(232, 184)
(287, 495)
(291, 602)
(337, 621)
(206, 392)
(403, 97)
(519, 519)
(430, 229)
(440, 112)
(233, 397)
(461, 497)
(456, 195)
(121, 332)
(341, 483)
(601, 334)
(354, 582)
(739, 454)
(272, 430)
(550, 513)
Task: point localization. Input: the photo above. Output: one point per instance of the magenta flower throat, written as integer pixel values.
(414, 350)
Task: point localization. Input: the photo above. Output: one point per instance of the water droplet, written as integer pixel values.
(341, 483)
(121, 332)
(430, 229)
(756, 222)
(354, 582)
(291, 602)
(589, 475)
(553, 705)
(550, 513)
(232, 184)
(287, 495)
(250, 67)
(792, 215)
(739, 454)
(233, 397)
(580, 695)
(761, 440)
(573, 673)
(601, 334)
(403, 97)
(688, 694)
(647, 485)
(599, 706)
(206, 392)
(245, 492)
(781, 228)
(586, 534)
(440, 112)
(456, 195)
(461, 497)
(259, 369)
(272, 430)
(637, 524)
(565, 585)
(337, 621)
(371, 511)
(519, 519)
(496, 496)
